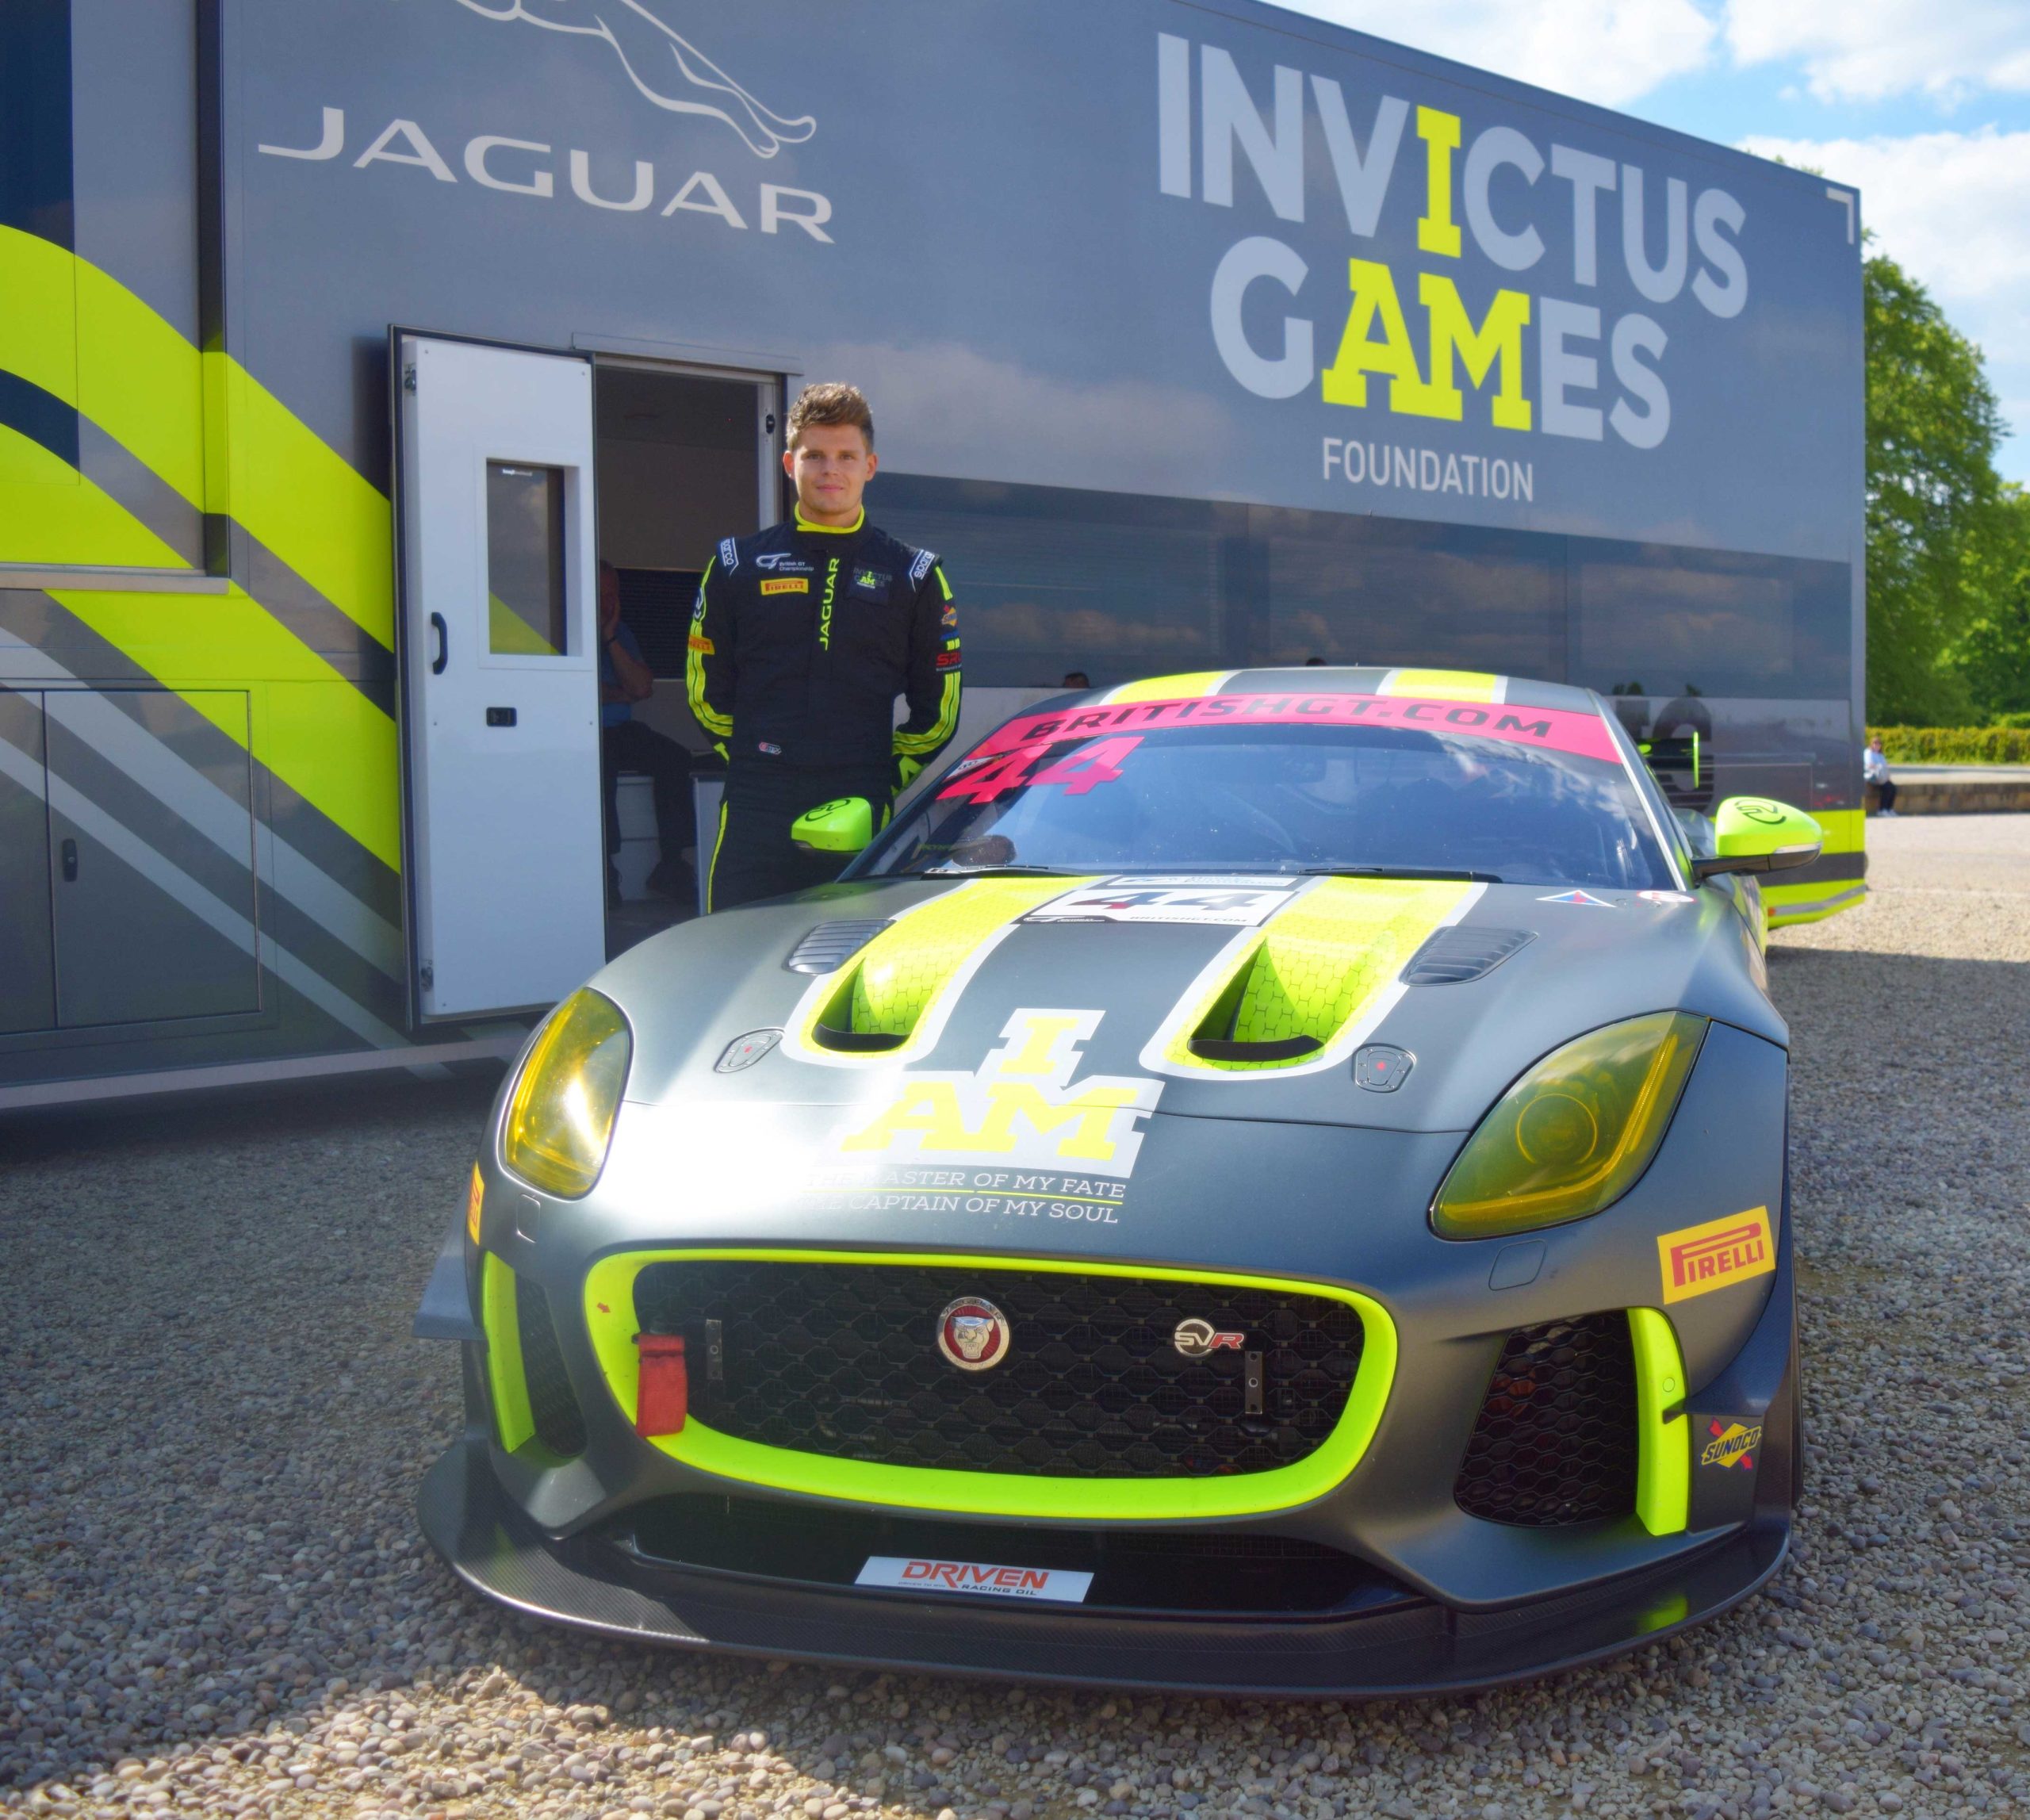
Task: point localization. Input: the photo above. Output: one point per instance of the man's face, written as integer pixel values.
(609, 601)
(831, 465)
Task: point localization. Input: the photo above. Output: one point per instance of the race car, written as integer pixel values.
(1270, 1182)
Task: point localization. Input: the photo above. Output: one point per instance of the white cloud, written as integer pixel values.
(1953, 209)
(1868, 50)
(1610, 51)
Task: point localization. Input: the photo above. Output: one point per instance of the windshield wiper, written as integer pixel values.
(1401, 872)
(950, 869)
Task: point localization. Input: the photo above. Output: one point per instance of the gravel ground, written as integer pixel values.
(213, 1599)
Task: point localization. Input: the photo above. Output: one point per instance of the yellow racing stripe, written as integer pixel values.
(1324, 967)
(904, 981)
(1443, 685)
(1186, 688)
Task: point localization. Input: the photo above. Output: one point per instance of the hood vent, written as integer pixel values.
(882, 991)
(830, 946)
(1456, 955)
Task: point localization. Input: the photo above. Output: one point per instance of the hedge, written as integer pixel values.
(1955, 744)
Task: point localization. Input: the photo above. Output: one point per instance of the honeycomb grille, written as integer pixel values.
(1557, 1438)
(553, 1403)
(842, 1359)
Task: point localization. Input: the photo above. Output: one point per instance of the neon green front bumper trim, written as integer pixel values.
(1663, 1471)
(609, 1319)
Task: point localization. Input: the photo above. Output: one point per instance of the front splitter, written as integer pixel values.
(1423, 1648)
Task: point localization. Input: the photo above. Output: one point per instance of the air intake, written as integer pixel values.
(879, 995)
(830, 946)
(1454, 956)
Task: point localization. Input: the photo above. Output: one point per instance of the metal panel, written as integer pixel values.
(500, 694)
(28, 996)
(154, 914)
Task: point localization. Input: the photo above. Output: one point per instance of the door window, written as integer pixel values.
(524, 560)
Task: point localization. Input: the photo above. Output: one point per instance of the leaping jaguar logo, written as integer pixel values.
(665, 67)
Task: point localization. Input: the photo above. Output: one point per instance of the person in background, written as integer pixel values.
(1076, 679)
(804, 636)
(1874, 769)
(626, 744)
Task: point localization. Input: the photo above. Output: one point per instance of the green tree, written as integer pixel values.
(1993, 655)
(1937, 524)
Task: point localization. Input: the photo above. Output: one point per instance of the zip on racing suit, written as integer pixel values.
(802, 637)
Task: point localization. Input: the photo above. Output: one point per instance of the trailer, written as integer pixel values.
(340, 342)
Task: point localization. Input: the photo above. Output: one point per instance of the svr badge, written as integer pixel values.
(1019, 1108)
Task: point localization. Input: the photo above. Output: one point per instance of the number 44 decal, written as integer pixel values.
(1080, 770)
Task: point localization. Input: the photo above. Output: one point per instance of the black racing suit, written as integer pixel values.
(801, 639)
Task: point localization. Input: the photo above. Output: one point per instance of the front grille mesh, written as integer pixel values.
(841, 1359)
(1556, 1439)
(553, 1403)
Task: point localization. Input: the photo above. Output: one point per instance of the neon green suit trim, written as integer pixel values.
(717, 725)
(1663, 1470)
(803, 523)
(609, 1319)
(940, 730)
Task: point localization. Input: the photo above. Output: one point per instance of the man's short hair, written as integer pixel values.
(822, 405)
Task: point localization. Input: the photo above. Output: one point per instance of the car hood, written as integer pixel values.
(1054, 1016)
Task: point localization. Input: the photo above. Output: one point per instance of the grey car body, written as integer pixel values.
(1415, 1567)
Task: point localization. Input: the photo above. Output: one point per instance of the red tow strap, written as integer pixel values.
(665, 1395)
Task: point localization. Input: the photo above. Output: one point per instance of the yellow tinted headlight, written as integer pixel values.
(1574, 1133)
(560, 1117)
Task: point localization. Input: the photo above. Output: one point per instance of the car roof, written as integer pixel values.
(1354, 680)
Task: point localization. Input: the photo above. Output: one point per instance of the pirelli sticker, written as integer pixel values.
(787, 584)
(1701, 1258)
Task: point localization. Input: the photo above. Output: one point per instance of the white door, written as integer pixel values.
(500, 686)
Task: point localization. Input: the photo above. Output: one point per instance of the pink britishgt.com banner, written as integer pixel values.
(1120, 726)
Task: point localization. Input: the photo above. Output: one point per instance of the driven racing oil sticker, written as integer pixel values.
(1214, 898)
(1700, 1259)
(1732, 1444)
(1016, 1136)
(918, 1573)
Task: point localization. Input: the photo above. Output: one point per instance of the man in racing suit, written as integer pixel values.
(802, 637)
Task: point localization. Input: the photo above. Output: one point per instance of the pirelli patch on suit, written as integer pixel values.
(1699, 1259)
(787, 584)
(699, 642)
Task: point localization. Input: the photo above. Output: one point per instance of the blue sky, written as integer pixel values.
(1923, 105)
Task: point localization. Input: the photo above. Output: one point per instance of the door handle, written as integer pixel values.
(69, 851)
(443, 645)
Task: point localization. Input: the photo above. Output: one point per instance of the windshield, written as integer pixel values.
(1288, 783)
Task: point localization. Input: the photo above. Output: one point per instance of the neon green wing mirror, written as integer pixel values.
(844, 826)
(1758, 834)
